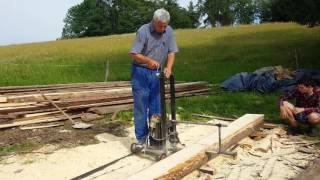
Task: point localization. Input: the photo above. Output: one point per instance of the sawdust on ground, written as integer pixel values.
(281, 161)
(67, 163)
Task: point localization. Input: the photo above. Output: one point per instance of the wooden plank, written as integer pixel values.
(40, 127)
(45, 107)
(59, 89)
(21, 113)
(86, 117)
(215, 117)
(35, 121)
(13, 105)
(59, 95)
(192, 157)
(54, 86)
(110, 109)
(272, 125)
(3, 99)
(69, 94)
(40, 114)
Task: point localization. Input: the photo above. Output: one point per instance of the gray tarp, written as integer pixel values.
(263, 80)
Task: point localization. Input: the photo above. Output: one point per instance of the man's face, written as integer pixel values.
(303, 89)
(159, 26)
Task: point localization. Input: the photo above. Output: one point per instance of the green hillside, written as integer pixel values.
(205, 54)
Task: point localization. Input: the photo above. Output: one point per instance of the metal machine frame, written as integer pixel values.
(166, 130)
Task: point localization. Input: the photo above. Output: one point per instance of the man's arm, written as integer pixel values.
(137, 47)
(287, 96)
(170, 61)
(310, 110)
(152, 64)
(315, 109)
(286, 112)
(171, 53)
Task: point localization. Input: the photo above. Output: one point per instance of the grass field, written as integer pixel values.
(211, 55)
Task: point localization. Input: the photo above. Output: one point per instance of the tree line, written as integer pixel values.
(105, 17)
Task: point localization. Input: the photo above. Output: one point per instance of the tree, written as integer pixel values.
(90, 18)
(244, 11)
(305, 12)
(180, 17)
(194, 14)
(217, 12)
(104, 17)
(131, 14)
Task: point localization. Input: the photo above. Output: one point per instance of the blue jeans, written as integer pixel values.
(146, 98)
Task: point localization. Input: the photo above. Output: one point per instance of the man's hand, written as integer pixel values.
(298, 110)
(167, 72)
(152, 64)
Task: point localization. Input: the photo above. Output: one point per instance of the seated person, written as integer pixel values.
(306, 109)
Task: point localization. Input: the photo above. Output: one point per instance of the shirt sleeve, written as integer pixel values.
(139, 42)
(172, 43)
(311, 110)
(287, 96)
(315, 109)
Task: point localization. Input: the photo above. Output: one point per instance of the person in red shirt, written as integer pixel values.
(306, 109)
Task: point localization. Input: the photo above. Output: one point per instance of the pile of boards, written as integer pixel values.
(24, 105)
(264, 154)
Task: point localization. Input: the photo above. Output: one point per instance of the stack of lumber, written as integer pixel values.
(22, 105)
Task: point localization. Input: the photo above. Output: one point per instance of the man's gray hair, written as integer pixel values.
(161, 15)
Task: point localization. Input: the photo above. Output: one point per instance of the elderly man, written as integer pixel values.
(307, 109)
(153, 50)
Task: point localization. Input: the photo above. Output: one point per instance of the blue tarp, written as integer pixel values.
(265, 81)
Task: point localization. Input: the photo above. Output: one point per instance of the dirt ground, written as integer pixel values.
(64, 153)
(61, 137)
(67, 163)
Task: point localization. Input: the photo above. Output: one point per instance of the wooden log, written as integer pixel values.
(192, 157)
